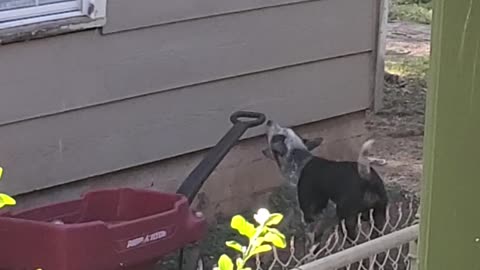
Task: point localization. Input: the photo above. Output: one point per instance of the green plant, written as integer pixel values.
(5, 199)
(410, 67)
(415, 11)
(261, 239)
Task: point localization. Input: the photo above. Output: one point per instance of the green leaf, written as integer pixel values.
(276, 232)
(260, 249)
(274, 219)
(6, 200)
(259, 241)
(277, 239)
(243, 226)
(225, 263)
(235, 245)
(239, 262)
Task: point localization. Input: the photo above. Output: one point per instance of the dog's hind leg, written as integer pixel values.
(351, 227)
(379, 219)
(348, 217)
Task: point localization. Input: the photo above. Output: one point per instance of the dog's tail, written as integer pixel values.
(363, 161)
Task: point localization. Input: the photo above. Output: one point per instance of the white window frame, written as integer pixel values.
(89, 9)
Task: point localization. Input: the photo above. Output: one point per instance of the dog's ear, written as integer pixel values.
(267, 153)
(312, 143)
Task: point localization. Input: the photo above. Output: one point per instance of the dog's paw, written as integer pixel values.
(310, 236)
(309, 239)
(302, 219)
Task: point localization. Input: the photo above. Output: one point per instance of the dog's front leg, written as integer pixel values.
(309, 236)
(309, 227)
(310, 203)
(307, 221)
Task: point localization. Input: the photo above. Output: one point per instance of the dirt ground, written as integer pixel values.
(398, 128)
(406, 38)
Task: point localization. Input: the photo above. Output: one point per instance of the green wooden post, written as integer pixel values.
(450, 212)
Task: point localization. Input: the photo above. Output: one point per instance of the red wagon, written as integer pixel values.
(114, 229)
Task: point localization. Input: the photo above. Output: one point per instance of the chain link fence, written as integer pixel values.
(387, 248)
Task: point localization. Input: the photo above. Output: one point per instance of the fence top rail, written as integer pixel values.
(365, 250)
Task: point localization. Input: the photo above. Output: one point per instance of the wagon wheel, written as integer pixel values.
(190, 258)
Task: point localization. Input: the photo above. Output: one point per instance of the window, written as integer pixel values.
(22, 12)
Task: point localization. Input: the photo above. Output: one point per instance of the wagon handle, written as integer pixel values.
(194, 181)
(256, 118)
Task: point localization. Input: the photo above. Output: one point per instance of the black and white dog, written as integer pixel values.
(354, 187)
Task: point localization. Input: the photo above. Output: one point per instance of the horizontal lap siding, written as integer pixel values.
(74, 71)
(65, 147)
(127, 15)
(85, 104)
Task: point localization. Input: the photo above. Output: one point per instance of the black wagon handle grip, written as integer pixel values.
(254, 118)
(194, 181)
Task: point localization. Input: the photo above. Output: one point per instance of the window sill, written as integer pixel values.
(48, 29)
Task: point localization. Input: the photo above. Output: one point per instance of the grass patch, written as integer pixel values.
(414, 11)
(409, 67)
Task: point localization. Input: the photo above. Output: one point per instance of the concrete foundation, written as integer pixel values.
(239, 182)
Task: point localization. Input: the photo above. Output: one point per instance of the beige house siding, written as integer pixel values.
(144, 89)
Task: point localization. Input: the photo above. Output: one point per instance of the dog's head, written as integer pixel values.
(288, 150)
